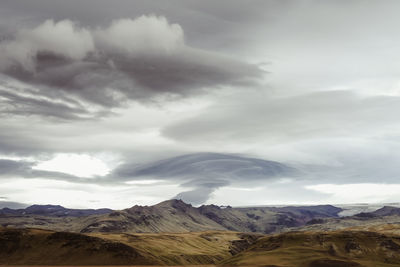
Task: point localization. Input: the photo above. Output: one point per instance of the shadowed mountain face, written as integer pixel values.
(168, 216)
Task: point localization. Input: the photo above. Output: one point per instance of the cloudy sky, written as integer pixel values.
(92, 87)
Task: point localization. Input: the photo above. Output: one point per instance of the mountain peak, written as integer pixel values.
(175, 203)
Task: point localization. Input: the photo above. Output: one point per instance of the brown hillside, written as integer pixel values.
(322, 249)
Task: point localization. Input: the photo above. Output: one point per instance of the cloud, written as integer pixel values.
(62, 39)
(143, 59)
(23, 169)
(203, 173)
(330, 114)
(143, 35)
(197, 196)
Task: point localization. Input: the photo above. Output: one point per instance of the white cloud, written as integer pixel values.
(145, 34)
(74, 164)
(356, 193)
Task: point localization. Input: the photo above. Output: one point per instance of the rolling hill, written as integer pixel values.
(41, 247)
(322, 249)
(345, 248)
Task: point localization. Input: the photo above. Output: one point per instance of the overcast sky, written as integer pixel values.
(88, 86)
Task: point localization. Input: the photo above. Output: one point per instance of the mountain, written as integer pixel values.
(382, 216)
(168, 216)
(387, 211)
(53, 211)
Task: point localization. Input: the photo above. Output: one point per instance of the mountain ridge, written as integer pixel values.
(168, 216)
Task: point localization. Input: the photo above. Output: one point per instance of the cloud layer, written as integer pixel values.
(142, 59)
(310, 84)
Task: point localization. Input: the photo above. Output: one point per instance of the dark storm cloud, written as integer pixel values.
(138, 59)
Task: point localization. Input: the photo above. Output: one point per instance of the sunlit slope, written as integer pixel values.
(324, 249)
(40, 247)
(186, 248)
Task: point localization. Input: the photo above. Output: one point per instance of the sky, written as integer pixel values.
(92, 87)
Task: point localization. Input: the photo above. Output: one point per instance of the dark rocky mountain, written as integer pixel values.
(387, 211)
(53, 210)
(168, 216)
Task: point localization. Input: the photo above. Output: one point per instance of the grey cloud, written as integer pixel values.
(23, 169)
(287, 119)
(197, 196)
(204, 173)
(149, 60)
(15, 101)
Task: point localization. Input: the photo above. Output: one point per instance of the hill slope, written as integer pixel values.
(322, 249)
(39, 247)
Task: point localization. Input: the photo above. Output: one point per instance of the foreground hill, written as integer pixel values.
(347, 248)
(172, 216)
(41, 247)
(322, 249)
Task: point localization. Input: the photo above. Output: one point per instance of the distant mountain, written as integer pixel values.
(385, 215)
(210, 165)
(168, 216)
(53, 211)
(387, 211)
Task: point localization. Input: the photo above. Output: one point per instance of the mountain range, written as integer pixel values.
(176, 233)
(168, 216)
